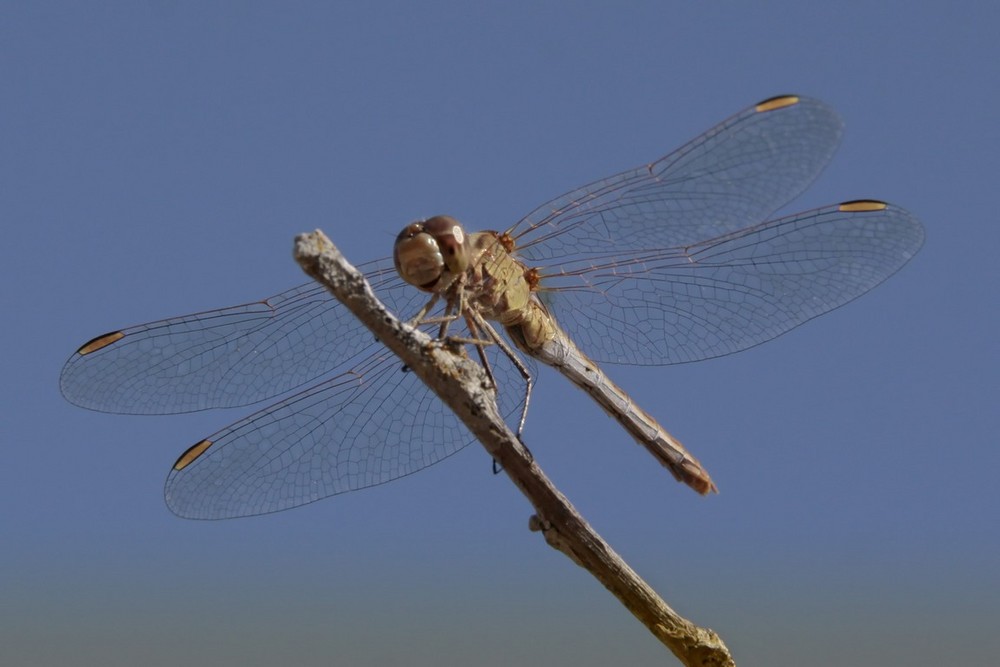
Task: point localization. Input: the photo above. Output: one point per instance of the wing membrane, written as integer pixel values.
(368, 426)
(722, 295)
(229, 357)
(732, 176)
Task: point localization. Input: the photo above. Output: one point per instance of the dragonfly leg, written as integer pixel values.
(529, 381)
(418, 319)
(421, 319)
(456, 308)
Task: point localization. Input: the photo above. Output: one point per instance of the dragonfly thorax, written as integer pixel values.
(432, 253)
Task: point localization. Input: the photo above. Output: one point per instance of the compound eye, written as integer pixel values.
(418, 257)
(451, 240)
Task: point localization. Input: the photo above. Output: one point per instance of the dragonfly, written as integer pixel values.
(674, 261)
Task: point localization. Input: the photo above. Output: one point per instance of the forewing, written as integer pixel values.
(229, 357)
(732, 176)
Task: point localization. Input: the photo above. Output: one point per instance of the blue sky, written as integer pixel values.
(159, 158)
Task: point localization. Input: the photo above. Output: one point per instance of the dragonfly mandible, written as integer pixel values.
(674, 261)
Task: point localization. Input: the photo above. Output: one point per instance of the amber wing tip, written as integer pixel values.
(102, 341)
(192, 453)
(862, 206)
(777, 102)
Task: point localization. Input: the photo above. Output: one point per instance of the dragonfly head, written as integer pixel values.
(433, 253)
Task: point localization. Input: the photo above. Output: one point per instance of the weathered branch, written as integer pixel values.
(463, 385)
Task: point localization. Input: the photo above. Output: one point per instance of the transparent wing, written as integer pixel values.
(230, 357)
(722, 295)
(368, 426)
(732, 176)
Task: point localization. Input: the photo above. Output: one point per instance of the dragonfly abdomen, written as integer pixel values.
(558, 351)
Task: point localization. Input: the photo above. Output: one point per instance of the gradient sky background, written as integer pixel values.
(158, 158)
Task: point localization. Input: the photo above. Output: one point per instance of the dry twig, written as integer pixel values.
(463, 385)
